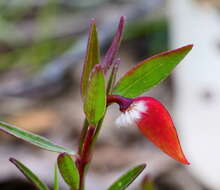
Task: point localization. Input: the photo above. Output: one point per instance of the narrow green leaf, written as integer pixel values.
(125, 180)
(95, 99)
(33, 138)
(29, 175)
(149, 72)
(92, 57)
(68, 170)
(56, 180)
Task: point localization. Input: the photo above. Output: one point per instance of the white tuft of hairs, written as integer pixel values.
(132, 114)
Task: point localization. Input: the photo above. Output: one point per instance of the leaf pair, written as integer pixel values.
(93, 88)
(67, 169)
(93, 80)
(139, 79)
(71, 176)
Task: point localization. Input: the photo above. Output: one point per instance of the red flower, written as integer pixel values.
(153, 120)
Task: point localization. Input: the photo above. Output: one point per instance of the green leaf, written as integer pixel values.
(92, 57)
(68, 170)
(33, 138)
(56, 181)
(125, 180)
(95, 99)
(29, 175)
(149, 72)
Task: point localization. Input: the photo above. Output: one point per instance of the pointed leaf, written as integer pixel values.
(125, 180)
(29, 175)
(112, 51)
(68, 170)
(33, 138)
(149, 72)
(95, 100)
(92, 57)
(56, 180)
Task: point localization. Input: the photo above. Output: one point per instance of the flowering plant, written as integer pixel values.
(99, 90)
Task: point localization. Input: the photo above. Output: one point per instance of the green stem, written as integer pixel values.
(85, 155)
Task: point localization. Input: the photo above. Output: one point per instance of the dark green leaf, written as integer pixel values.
(56, 181)
(29, 175)
(95, 99)
(92, 57)
(68, 170)
(149, 72)
(125, 180)
(33, 138)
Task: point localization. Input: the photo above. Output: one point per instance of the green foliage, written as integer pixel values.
(141, 78)
(95, 99)
(149, 72)
(125, 180)
(92, 57)
(29, 175)
(68, 170)
(33, 138)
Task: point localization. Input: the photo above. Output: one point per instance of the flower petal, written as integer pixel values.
(156, 124)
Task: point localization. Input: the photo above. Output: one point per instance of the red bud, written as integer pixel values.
(155, 123)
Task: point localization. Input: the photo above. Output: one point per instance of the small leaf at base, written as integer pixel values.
(125, 180)
(68, 170)
(29, 175)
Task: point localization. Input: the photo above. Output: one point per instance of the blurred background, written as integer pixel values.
(42, 47)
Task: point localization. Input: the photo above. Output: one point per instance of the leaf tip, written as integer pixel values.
(60, 156)
(12, 160)
(122, 21)
(143, 166)
(92, 21)
(188, 47)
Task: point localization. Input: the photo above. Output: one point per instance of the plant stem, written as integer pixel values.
(82, 136)
(85, 155)
(90, 134)
(123, 102)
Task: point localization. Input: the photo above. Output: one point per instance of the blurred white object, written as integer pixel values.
(197, 84)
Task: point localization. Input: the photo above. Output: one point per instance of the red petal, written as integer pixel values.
(156, 124)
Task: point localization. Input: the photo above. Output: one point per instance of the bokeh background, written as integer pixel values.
(42, 46)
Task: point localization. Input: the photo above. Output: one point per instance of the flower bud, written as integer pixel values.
(155, 123)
